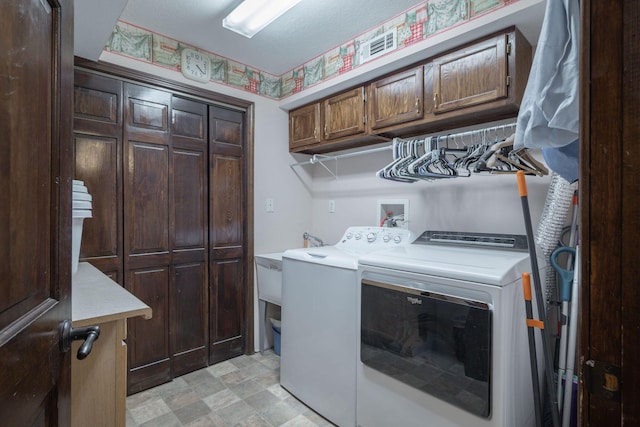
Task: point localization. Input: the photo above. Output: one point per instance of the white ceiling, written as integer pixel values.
(306, 31)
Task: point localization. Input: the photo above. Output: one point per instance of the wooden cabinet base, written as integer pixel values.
(98, 383)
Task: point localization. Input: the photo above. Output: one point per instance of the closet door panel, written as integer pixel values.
(227, 253)
(147, 214)
(189, 295)
(189, 311)
(226, 209)
(96, 164)
(98, 128)
(227, 302)
(189, 199)
(148, 342)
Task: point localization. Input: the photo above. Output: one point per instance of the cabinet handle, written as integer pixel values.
(417, 106)
(435, 100)
(315, 134)
(326, 134)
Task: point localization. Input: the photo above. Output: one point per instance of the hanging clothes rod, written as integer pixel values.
(320, 159)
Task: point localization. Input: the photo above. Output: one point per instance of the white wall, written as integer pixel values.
(302, 193)
(480, 203)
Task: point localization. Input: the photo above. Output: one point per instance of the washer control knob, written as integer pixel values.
(397, 239)
(386, 238)
(358, 236)
(349, 235)
(371, 237)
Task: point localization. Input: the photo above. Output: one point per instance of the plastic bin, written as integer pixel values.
(277, 327)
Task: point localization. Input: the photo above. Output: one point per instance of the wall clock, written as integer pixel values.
(195, 65)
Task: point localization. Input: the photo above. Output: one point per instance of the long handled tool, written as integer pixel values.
(531, 324)
(548, 359)
(571, 347)
(566, 279)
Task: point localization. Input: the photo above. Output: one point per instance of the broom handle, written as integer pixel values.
(533, 357)
(548, 359)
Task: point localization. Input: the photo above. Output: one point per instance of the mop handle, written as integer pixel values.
(537, 404)
(546, 351)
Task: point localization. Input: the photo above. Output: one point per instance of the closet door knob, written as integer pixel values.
(68, 334)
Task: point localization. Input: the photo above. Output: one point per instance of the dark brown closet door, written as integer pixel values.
(98, 162)
(227, 288)
(147, 244)
(188, 292)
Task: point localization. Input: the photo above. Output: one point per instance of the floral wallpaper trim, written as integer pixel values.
(415, 25)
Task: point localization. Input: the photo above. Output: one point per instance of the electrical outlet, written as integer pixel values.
(271, 205)
(332, 206)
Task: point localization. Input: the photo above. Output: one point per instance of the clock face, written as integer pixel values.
(195, 65)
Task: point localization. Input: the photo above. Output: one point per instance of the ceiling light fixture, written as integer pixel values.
(252, 16)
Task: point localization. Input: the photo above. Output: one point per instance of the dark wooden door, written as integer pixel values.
(609, 204)
(227, 285)
(98, 162)
(36, 51)
(147, 245)
(189, 204)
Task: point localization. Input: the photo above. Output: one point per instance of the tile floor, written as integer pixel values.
(243, 392)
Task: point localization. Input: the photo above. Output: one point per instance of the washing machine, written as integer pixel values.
(319, 322)
(442, 339)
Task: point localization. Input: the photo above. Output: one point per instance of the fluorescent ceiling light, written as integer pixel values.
(252, 16)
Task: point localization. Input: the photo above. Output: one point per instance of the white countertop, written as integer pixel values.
(95, 299)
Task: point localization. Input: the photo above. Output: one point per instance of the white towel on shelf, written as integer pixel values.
(548, 114)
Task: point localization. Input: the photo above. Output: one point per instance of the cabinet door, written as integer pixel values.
(304, 126)
(396, 99)
(344, 114)
(471, 76)
(98, 162)
(227, 287)
(188, 289)
(147, 237)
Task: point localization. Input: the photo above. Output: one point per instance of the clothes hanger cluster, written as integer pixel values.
(433, 158)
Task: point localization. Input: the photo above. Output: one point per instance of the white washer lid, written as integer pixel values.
(324, 255)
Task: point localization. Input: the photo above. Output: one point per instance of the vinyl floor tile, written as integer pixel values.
(241, 392)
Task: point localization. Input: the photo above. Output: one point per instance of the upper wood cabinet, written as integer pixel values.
(396, 99)
(344, 114)
(326, 125)
(479, 82)
(470, 76)
(304, 126)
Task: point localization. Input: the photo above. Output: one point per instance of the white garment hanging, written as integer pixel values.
(549, 110)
